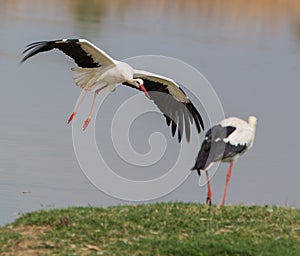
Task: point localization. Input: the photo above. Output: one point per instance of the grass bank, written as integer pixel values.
(155, 229)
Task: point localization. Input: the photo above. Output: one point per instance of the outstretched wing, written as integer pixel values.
(179, 111)
(83, 52)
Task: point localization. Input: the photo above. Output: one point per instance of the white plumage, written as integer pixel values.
(244, 133)
(225, 142)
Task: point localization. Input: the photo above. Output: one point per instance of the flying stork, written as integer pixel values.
(97, 70)
(225, 142)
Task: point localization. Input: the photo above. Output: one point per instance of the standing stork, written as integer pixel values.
(97, 71)
(225, 142)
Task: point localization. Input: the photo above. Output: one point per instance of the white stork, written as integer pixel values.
(97, 71)
(225, 142)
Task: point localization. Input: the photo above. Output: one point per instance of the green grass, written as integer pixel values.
(155, 229)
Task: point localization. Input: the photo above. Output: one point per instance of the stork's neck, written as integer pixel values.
(137, 82)
(252, 120)
(133, 82)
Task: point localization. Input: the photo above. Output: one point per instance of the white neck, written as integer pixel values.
(133, 82)
(252, 121)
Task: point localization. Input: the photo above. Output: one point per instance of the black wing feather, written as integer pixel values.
(215, 149)
(232, 150)
(168, 119)
(178, 114)
(180, 123)
(187, 125)
(70, 47)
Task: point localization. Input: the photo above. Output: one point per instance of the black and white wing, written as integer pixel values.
(225, 142)
(215, 147)
(83, 52)
(171, 100)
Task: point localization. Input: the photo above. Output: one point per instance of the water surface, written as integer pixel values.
(248, 50)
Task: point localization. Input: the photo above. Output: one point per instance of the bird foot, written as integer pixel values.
(208, 201)
(86, 123)
(72, 116)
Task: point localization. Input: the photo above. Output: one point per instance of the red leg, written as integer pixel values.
(227, 181)
(87, 121)
(80, 102)
(78, 106)
(209, 193)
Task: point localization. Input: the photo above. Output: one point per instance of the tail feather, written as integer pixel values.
(198, 170)
(85, 77)
(203, 159)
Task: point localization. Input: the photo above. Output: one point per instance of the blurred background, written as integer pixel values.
(248, 50)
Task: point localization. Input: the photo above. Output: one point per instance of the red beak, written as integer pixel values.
(142, 87)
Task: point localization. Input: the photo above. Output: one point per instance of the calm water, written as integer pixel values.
(248, 50)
